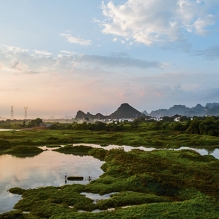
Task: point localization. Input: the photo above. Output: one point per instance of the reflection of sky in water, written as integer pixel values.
(46, 169)
(214, 152)
(126, 148)
(97, 197)
(49, 167)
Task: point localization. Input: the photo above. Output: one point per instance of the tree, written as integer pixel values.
(193, 127)
(209, 127)
(35, 122)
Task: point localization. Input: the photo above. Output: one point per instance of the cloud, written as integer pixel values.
(111, 61)
(13, 50)
(19, 66)
(94, 85)
(154, 21)
(210, 53)
(40, 61)
(76, 40)
(42, 52)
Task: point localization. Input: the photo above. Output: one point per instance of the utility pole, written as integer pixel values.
(12, 113)
(25, 112)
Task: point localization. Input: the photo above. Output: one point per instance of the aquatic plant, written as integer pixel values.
(23, 151)
(76, 150)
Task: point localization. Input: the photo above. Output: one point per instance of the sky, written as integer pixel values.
(58, 57)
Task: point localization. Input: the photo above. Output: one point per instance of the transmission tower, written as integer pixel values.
(12, 113)
(25, 112)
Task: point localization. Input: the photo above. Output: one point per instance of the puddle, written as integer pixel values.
(97, 197)
(126, 148)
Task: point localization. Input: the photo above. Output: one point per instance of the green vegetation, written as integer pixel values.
(76, 150)
(18, 124)
(156, 184)
(23, 151)
(148, 134)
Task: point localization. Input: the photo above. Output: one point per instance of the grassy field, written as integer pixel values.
(147, 138)
(156, 184)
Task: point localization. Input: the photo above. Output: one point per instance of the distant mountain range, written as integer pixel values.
(211, 109)
(126, 111)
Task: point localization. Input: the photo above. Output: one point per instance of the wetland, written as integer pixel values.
(141, 173)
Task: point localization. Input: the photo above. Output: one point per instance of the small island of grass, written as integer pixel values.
(23, 151)
(76, 150)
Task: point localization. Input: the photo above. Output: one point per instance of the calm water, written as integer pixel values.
(48, 169)
(214, 152)
(45, 169)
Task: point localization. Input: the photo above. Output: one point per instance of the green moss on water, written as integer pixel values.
(98, 153)
(12, 215)
(76, 150)
(23, 151)
(16, 190)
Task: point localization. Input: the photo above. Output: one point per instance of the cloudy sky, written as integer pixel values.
(58, 57)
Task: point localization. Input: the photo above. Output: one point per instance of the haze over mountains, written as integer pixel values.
(210, 109)
(127, 111)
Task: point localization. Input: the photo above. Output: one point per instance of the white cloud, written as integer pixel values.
(201, 23)
(76, 40)
(67, 52)
(40, 61)
(157, 20)
(13, 49)
(42, 52)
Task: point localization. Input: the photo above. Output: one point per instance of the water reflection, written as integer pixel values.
(126, 148)
(6, 130)
(214, 152)
(46, 169)
(204, 151)
(96, 197)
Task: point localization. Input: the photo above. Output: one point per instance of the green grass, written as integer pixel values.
(23, 151)
(147, 138)
(76, 150)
